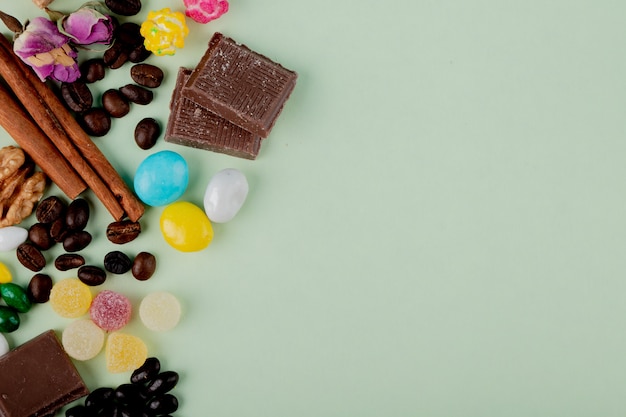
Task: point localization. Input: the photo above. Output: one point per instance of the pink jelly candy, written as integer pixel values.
(110, 310)
(203, 11)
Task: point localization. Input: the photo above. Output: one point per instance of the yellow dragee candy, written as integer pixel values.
(82, 339)
(186, 227)
(124, 352)
(5, 274)
(70, 298)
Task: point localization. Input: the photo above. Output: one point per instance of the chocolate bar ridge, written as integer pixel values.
(240, 85)
(190, 124)
(38, 378)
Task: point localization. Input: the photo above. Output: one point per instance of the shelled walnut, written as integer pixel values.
(21, 186)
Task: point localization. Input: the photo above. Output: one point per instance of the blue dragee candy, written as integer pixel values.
(161, 178)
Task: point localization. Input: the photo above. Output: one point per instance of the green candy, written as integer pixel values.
(9, 320)
(15, 296)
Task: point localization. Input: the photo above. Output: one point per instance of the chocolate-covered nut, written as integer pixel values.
(115, 103)
(39, 235)
(39, 288)
(115, 56)
(91, 275)
(137, 94)
(49, 209)
(147, 132)
(31, 257)
(96, 121)
(117, 262)
(76, 241)
(123, 231)
(67, 261)
(124, 7)
(144, 266)
(146, 75)
(77, 96)
(77, 214)
(146, 372)
(92, 70)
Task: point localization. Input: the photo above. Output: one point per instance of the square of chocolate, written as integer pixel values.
(38, 378)
(193, 125)
(240, 85)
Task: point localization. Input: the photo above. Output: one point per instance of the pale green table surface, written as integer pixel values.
(436, 225)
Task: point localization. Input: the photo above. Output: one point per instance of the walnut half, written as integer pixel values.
(21, 187)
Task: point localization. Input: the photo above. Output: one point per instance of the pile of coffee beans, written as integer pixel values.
(147, 394)
(128, 46)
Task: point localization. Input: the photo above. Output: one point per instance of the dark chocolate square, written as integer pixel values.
(38, 378)
(193, 125)
(240, 85)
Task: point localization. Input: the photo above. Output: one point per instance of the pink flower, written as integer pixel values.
(87, 26)
(203, 11)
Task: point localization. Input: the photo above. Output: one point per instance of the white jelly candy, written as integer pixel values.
(159, 311)
(82, 339)
(225, 194)
(11, 237)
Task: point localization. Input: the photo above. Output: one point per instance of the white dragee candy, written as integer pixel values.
(225, 194)
(4, 345)
(11, 237)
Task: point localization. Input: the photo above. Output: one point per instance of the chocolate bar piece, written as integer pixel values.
(240, 85)
(191, 124)
(38, 378)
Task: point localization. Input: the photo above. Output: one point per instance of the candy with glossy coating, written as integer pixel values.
(70, 298)
(82, 339)
(225, 194)
(161, 178)
(11, 237)
(124, 352)
(4, 345)
(9, 319)
(5, 274)
(160, 311)
(186, 227)
(15, 296)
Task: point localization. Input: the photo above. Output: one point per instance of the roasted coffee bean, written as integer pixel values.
(76, 241)
(115, 56)
(117, 262)
(129, 35)
(164, 382)
(98, 398)
(67, 261)
(147, 132)
(96, 121)
(92, 70)
(146, 75)
(77, 96)
(123, 231)
(50, 209)
(30, 257)
(163, 404)
(77, 214)
(137, 94)
(39, 235)
(58, 230)
(139, 54)
(146, 372)
(92, 275)
(130, 394)
(144, 266)
(115, 103)
(39, 288)
(124, 7)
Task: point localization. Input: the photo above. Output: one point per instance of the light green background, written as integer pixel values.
(435, 226)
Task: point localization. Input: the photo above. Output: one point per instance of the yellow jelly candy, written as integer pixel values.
(186, 227)
(124, 352)
(82, 339)
(5, 274)
(70, 298)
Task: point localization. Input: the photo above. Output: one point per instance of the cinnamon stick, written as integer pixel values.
(36, 144)
(64, 131)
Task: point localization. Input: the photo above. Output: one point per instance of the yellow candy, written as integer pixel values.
(124, 352)
(70, 298)
(5, 274)
(186, 227)
(164, 31)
